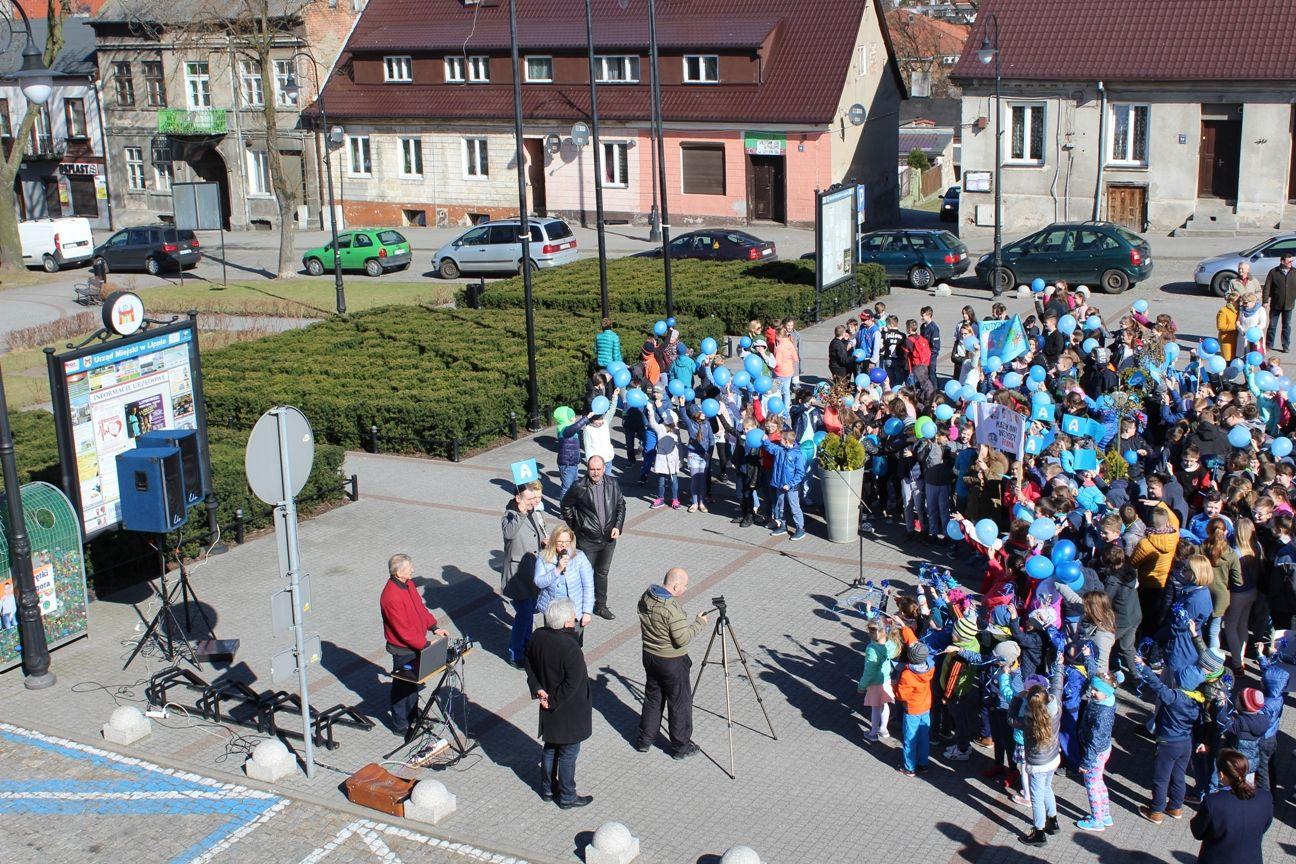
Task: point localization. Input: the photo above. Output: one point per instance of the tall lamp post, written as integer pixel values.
(293, 89)
(598, 159)
(37, 85)
(524, 232)
(989, 53)
(655, 86)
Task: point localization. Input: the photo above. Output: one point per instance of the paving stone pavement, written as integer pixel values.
(816, 794)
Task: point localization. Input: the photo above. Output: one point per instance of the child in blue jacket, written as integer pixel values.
(785, 482)
(1095, 739)
(1177, 711)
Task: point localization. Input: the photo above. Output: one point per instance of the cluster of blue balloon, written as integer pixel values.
(1060, 564)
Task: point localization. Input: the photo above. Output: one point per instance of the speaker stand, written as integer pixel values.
(165, 629)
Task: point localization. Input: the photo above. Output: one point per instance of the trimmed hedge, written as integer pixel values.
(733, 291)
(425, 376)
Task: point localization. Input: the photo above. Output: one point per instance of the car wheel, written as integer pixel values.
(373, 268)
(1220, 283)
(1002, 280)
(50, 263)
(448, 269)
(152, 266)
(314, 267)
(1114, 282)
(920, 277)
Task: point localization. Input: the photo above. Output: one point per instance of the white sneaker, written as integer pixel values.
(958, 755)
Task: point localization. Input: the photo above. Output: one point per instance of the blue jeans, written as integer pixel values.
(791, 497)
(567, 475)
(558, 768)
(785, 387)
(936, 500)
(1212, 633)
(523, 619)
(1168, 785)
(917, 740)
(1043, 805)
(674, 487)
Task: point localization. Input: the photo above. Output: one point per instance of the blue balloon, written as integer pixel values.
(859, 355)
(660, 328)
(1215, 363)
(1266, 381)
(615, 365)
(621, 378)
(599, 405)
(689, 394)
(944, 413)
(1043, 529)
(954, 530)
(1038, 373)
(1131, 456)
(861, 381)
(1066, 324)
(1254, 358)
(970, 413)
(893, 426)
(1038, 567)
(1069, 573)
(980, 397)
(966, 392)
(676, 387)
(1012, 380)
(819, 437)
(670, 322)
(742, 379)
(1089, 345)
(1063, 550)
(744, 342)
(1041, 397)
(709, 345)
(1240, 437)
(710, 407)
(1253, 334)
(952, 388)
(1209, 345)
(636, 398)
(721, 375)
(971, 343)
(1284, 383)
(1140, 306)
(1172, 353)
(1093, 322)
(994, 364)
(848, 401)
(1037, 285)
(754, 365)
(1281, 447)
(754, 438)
(878, 375)
(763, 383)
(987, 531)
(774, 405)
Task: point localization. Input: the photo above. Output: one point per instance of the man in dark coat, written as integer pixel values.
(524, 534)
(1280, 296)
(839, 354)
(594, 509)
(557, 676)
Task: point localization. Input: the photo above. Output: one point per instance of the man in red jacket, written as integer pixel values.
(406, 622)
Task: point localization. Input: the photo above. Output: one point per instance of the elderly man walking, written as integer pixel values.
(667, 633)
(595, 509)
(558, 678)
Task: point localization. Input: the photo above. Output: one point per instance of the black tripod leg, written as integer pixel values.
(742, 658)
(149, 632)
(724, 660)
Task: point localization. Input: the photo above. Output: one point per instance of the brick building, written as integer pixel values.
(756, 101)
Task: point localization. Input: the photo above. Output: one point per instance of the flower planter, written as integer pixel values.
(841, 500)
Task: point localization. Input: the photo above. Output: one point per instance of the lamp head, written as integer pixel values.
(34, 76)
(986, 53)
(290, 86)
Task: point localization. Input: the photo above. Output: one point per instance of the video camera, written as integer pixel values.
(458, 649)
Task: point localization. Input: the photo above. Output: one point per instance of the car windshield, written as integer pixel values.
(1256, 248)
(557, 230)
(952, 192)
(390, 238)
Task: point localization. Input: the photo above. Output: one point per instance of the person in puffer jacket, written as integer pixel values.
(569, 445)
(1095, 739)
(1177, 710)
(788, 472)
(1275, 680)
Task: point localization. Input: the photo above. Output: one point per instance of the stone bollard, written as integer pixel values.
(270, 762)
(126, 726)
(430, 801)
(942, 290)
(740, 855)
(1023, 291)
(612, 844)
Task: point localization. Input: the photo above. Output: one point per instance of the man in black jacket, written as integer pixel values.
(557, 676)
(839, 354)
(1280, 295)
(594, 509)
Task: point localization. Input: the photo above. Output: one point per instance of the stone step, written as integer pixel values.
(1209, 220)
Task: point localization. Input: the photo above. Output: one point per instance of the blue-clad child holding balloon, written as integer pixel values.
(785, 482)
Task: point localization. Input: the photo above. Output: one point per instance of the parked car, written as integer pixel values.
(950, 204)
(918, 257)
(1089, 253)
(56, 243)
(721, 245)
(494, 247)
(373, 250)
(1214, 273)
(151, 248)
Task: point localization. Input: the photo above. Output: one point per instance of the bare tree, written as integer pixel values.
(10, 245)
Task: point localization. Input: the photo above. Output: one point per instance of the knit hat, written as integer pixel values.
(1102, 686)
(1211, 662)
(759, 343)
(1251, 700)
(563, 417)
(648, 348)
(965, 630)
(918, 653)
(1008, 651)
(1044, 616)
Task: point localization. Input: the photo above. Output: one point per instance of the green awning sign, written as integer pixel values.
(764, 143)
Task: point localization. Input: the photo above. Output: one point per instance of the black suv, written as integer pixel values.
(151, 248)
(1082, 253)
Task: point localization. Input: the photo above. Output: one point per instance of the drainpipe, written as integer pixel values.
(1102, 147)
(103, 143)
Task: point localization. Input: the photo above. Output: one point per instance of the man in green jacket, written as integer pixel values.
(667, 633)
(607, 345)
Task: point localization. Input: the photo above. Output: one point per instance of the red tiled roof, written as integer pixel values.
(803, 79)
(1137, 40)
(922, 37)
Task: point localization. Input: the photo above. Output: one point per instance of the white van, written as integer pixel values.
(56, 243)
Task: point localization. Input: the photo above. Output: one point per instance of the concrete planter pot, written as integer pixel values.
(841, 500)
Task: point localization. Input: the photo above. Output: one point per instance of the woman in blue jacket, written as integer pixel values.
(562, 570)
(1232, 822)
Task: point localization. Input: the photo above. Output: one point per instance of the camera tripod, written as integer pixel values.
(722, 627)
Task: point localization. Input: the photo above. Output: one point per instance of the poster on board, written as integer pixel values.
(837, 228)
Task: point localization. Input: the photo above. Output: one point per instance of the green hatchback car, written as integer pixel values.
(373, 250)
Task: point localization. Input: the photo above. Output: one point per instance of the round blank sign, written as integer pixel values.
(264, 461)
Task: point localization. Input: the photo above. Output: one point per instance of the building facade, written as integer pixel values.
(1199, 132)
(756, 104)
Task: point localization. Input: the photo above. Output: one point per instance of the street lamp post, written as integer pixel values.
(990, 53)
(37, 85)
(524, 232)
(292, 88)
(655, 86)
(598, 159)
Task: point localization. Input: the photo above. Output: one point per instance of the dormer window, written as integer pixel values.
(616, 69)
(701, 69)
(539, 70)
(398, 69)
(479, 70)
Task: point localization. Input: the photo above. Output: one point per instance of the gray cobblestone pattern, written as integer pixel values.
(817, 794)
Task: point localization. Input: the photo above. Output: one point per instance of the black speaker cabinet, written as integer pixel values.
(151, 483)
(186, 441)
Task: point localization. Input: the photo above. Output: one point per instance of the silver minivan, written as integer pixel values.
(1215, 273)
(494, 247)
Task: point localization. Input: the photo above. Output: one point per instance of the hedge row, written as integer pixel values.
(424, 376)
(733, 291)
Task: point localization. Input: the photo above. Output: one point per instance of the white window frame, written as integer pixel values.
(197, 85)
(629, 63)
(1032, 110)
(476, 156)
(359, 146)
(1129, 158)
(479, 69)
(527, 67)
(616, 160)
(134, 159)
(149, 94)
(456, 69)
(283, 69)
(411, 155)
(250, 93)
(920, 82)
(69, 115)
(398, 69)
(701, 60)
(256, 167)
(163, 170)
(861, 61)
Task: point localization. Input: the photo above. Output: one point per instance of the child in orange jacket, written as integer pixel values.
(914, 691)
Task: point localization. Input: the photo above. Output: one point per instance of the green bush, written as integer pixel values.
(733, 291)
(841, 453)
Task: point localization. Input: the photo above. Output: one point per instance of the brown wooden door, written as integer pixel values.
(535, 157)
(767, 188)
(1126, 205)
(1221, 150)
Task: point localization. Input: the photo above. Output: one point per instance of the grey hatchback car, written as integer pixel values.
(1215, 273)
(495, 247)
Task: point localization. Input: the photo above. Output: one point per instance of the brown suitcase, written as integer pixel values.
(376, 787)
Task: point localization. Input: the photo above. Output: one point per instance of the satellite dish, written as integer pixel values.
(856, 114)
(580, 134)
(553, 143)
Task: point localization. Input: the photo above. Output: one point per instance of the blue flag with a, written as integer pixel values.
(1005, 340)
